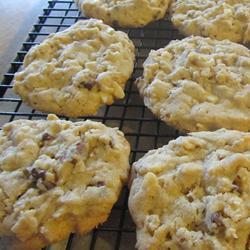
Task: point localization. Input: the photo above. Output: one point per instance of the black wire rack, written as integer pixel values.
(141, 128)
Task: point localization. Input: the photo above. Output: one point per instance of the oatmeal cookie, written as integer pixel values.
(76, 71)
(219, 19)
(124, 13)
(198, 84)
(194, 193)
(58, 177)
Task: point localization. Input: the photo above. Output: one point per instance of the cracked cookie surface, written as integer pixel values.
(194, 193)
(219, 19)
(198, 84)
(76, 71)
(58, 177)
(124, 13)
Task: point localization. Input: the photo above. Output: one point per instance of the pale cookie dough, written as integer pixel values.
(124, 13)
(194, 193)
(58, 177)
(76, 71)
(219, 19)
(199, 84)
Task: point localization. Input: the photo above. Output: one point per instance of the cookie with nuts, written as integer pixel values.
(124, 13)
(198, 84)
(218, 19)
(194, 193)
(58, 177)
(76, 71)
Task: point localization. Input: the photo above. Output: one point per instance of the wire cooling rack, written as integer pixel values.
(141, 128)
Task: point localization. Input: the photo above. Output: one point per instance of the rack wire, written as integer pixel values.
(141, 128)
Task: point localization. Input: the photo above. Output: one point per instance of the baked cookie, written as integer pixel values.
(124, 13)
(199, 84)
(219, 19)
(194, 193)
(58, 177)
(75, 71)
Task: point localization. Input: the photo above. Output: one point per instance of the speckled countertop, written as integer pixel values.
(16, 18)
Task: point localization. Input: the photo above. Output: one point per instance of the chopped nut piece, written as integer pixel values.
(47, 137)
(38, 174)
(216, 218)
(88, 85)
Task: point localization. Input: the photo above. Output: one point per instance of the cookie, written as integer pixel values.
(198, 84)
(76, 71)
(194, 193)
(124, 13)
(58, 177)
(219, 19)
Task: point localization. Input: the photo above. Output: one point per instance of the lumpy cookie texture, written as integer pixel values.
(219, 19)
(198, 84)
(194, 193)
(76, 71)
(124, 13)
(58, 177)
